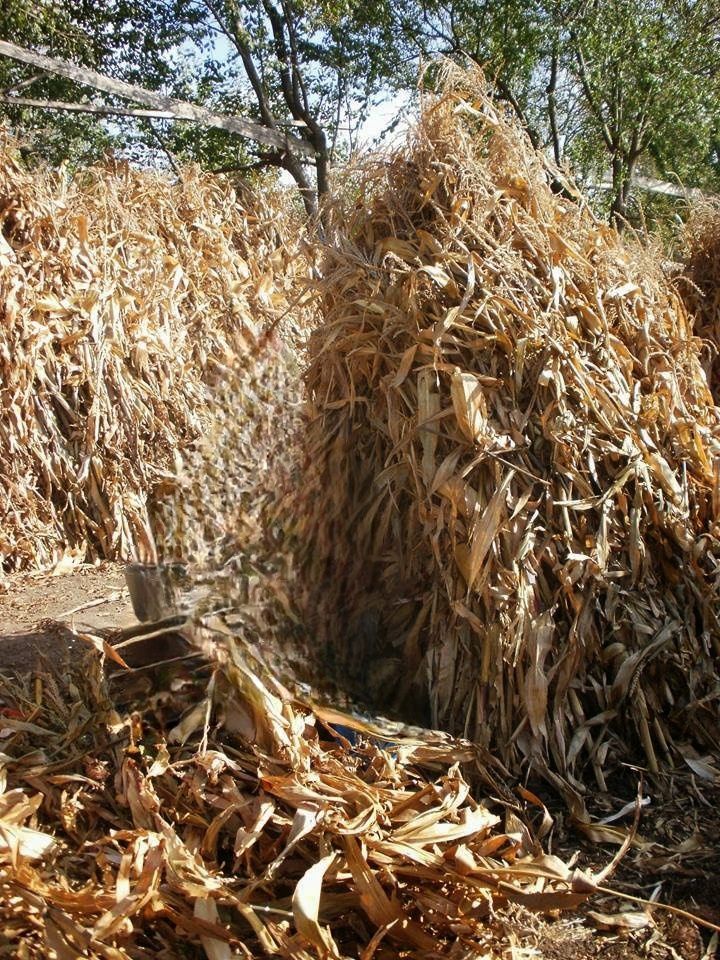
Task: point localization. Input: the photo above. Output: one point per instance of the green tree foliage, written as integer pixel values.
(611, 86)
(75, 136)
(307, 67)
(132, 40)
(651, 94)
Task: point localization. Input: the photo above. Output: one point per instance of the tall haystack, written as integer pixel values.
(699, 283)
(131, 307)
(511, 522)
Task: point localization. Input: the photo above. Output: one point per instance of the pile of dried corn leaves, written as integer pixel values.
(700, 280)
(228, 819)
(129, 306)
(513, 527)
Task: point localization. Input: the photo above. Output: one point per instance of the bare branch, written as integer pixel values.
(236, 34)
(23, 84)
(287, 82)
(103, 110)
(234, 29)
(506, 93)
(551, 92)
(180, 109)
(169, 155)
(298, 80)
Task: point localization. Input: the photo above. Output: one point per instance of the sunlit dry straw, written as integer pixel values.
(512, 528)
(227, 819)
(699, 283)
(131, 308)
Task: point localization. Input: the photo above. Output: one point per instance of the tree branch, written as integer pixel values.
(170, 157)
(589, 96)
(103, 110)
(507, 94)
(180, 109)
(237, 36)
(294, 93)
(552, 104)
(23, 84)
(235, 32)
(281, 53)
(298, 81)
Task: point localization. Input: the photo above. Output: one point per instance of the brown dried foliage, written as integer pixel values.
(227, 819)
(699, 283)
(512, 526)
(131, 309)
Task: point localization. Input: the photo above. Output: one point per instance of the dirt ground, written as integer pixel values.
(87, 597)
(676, 861)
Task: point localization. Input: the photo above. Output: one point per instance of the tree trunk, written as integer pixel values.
(322, 169)
(618, 207)
(623, 172)
(307, 191)
(552, 107)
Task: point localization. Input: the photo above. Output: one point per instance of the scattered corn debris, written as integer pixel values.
(224, 818)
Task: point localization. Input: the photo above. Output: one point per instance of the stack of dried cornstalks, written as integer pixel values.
(513, 523)
(247, 827)
(129, 307)
(699, 283)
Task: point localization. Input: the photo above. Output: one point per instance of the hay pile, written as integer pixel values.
(132, 309)
(225, 818)
(512, 520)
(699, 283)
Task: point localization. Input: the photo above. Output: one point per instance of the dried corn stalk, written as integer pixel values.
(511, 525)
(699, 283)
(132, 309)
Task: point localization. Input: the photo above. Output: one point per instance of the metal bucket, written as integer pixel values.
(155, 589)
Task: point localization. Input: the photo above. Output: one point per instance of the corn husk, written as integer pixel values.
(511, 525)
